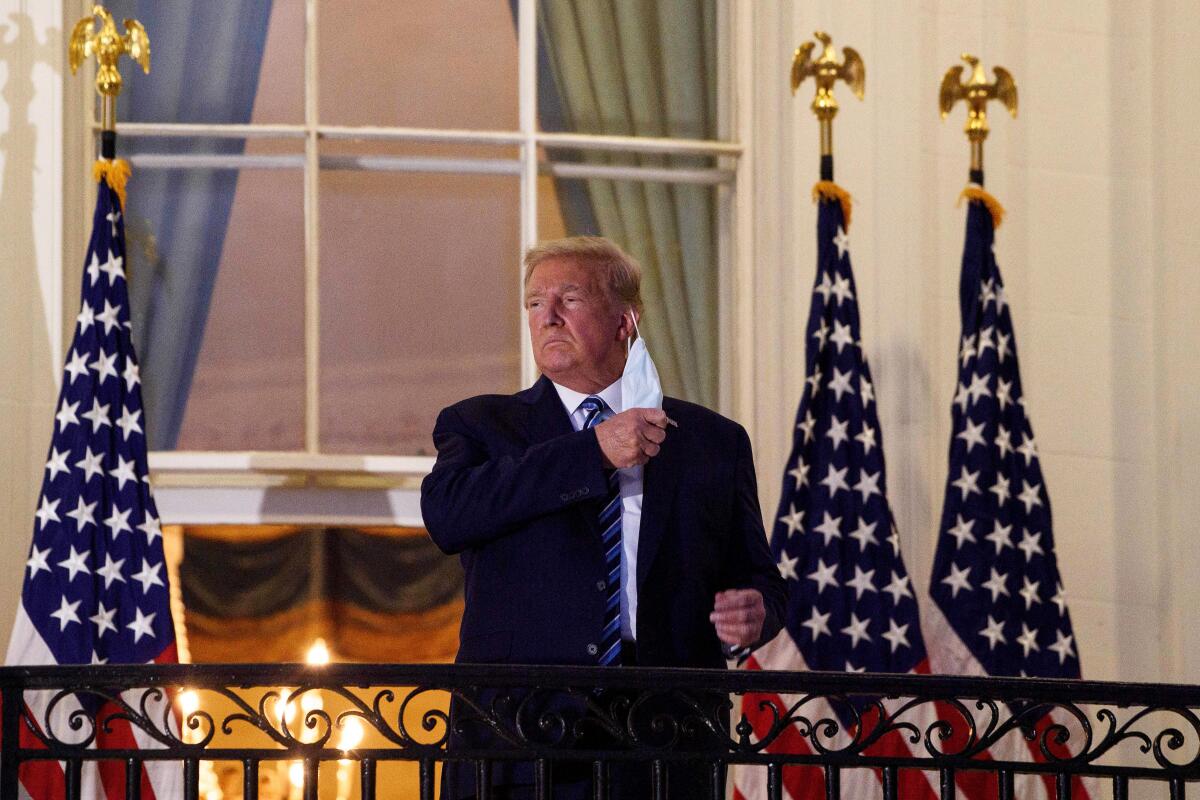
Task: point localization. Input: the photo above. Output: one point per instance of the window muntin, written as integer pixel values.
(408, 148)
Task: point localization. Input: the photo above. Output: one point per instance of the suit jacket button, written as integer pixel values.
(592, 649)
(600, 586)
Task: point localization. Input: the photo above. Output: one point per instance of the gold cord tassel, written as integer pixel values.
(115, 172)
(973, 192)
(829, 190)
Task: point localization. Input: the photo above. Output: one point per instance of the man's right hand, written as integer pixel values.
(632, 437)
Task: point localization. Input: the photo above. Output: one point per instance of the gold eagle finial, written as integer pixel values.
(108, 46)
(826, 70)
(977, 92)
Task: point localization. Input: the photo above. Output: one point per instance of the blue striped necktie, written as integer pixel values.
(610, 538)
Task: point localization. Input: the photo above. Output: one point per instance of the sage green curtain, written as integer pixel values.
(648, 68)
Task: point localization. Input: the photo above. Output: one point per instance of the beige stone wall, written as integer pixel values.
(1174, 120)
(1098, 251)
(32, 62)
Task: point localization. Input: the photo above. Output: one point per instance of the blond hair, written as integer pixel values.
(618, 270)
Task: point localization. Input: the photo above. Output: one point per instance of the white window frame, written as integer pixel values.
(311, 487)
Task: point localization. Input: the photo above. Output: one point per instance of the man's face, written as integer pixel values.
(578, 333)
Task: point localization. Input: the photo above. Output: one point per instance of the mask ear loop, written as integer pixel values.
(629, 341)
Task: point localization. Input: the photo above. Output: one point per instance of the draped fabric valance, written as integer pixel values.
(265, 594)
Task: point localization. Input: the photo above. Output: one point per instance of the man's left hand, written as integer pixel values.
(738, 615)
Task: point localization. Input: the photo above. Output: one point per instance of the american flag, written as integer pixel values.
(95, 589)
(998, 602)
(851, 605)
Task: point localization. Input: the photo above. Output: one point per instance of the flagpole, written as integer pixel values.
(96, 511)
(108, 46)
(995, 541)
(826, 70)
(833, 520)
(976, 92)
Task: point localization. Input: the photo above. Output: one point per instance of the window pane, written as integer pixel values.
(216, 282)
(640, 68)
(235, 61)
(419, 302)
(671, 230)
(429, 65)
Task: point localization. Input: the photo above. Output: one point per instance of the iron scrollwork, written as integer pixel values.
(404, 713)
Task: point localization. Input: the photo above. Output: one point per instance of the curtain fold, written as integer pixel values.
(266, 593)
(205, 68)
(645, 68)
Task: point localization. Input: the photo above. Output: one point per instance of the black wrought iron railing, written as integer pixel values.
(554, 727)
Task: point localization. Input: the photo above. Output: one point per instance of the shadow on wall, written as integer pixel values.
(28, 373)
(916, 519)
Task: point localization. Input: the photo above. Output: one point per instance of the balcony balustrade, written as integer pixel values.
(791, 729)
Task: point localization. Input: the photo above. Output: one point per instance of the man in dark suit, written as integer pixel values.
(527, 487)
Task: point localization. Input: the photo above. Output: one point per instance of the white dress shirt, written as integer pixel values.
(630, 482)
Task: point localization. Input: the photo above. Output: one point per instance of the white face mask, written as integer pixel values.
(640, 386)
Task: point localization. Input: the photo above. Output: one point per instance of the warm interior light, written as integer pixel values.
(283, 712)
(311, 700)
(296, 774)
(318, 653)
(189, 702)
(210, 784)
(352, 733)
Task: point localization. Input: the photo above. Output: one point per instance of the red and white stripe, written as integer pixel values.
(948, 655)
(45, 780)
(808, 783)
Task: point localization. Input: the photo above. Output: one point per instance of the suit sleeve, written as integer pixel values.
(753, 565)
(471, 497)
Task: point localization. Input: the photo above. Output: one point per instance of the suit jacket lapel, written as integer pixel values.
(547, 418)
(660, 481)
